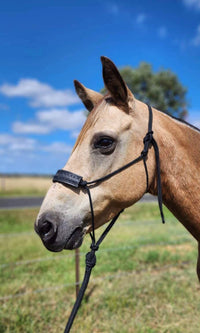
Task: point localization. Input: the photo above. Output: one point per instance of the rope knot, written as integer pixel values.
(144, 153)
(90, 259)
(147, 140)
(94, 247)
(148, 137)
(83, 183)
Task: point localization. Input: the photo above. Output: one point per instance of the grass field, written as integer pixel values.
(23, 185)
(144, 281)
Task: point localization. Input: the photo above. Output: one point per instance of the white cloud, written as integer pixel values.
(50, 120)
(29, 128)
(17, 144)
(57, 147)
(62, 119)
(39, 94)
(162, 32)
(192, 3)
(196, 39)
(141, 18)
(25, 155)
(14, 143)
(75, 134)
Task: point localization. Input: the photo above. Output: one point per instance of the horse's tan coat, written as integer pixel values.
(126, 119)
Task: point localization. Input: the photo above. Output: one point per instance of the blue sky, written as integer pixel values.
(47, 44)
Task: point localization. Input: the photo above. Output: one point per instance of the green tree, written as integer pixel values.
(161, 89)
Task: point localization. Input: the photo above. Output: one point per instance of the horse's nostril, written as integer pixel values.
(46, 229)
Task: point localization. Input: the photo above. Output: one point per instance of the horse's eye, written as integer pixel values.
(103, 143)
(106, 145)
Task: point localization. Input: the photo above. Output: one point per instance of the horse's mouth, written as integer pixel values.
(61, 242)
(75, 239)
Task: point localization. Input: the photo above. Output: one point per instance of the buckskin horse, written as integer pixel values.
(111, 137)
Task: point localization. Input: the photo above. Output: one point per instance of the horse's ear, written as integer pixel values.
(89, 97)
(114, 82)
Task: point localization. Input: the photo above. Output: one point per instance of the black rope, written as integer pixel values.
(147, 175)
(104, 234)
(150, 123)
(159, 185)
(102, 179)
(90, 262)
(92, 234)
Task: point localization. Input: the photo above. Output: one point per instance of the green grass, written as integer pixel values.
(144, 280)
(19, 220)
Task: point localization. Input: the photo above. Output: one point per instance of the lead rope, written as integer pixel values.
(90, 260)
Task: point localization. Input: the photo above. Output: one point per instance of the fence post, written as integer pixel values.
(77, 268)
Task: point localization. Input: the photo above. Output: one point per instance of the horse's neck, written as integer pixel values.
(179, 160)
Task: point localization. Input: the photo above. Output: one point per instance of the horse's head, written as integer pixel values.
(111, 137)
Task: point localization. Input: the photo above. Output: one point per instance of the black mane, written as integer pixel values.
(182, 121)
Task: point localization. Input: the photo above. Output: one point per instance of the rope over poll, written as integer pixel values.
(71, 179)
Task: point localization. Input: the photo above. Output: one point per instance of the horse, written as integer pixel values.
(111, 137)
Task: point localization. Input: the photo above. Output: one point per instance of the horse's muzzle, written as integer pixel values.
(57, 236)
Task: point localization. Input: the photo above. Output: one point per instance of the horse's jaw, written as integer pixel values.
(75, 240)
